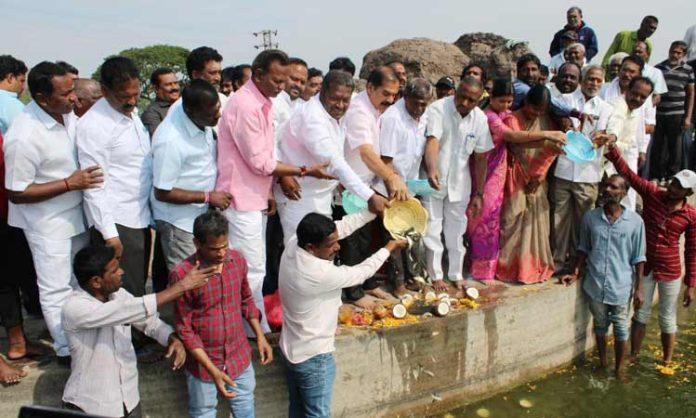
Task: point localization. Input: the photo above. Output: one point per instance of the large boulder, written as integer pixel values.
(495, 53)
(422, 57)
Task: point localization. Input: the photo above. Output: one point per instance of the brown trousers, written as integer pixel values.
(571, 201)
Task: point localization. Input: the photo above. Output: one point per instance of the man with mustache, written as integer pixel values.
(184, 170)
(575, 187)
(362, 152)
(166, 86)
(585, 34)
(286, 102)
(112, 136)
(44, 186)
(248, 163)
(611, 248)
(314, 135)
(642, 120)
(655, 75)
(314, 81)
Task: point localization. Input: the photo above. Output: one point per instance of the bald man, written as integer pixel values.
(88, 91)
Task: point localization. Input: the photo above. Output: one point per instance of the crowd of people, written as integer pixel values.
(241, 175)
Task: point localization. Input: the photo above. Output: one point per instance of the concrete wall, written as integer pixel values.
(523, 334)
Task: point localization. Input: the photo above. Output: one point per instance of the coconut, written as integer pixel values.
(524, 403)
(441, 309)
(444, 297)
(399, 311)
(472, 293)
(430, 296)
(407, 300)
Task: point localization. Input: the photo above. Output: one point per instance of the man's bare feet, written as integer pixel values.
(379, 293)
(400, 290)
(30, 349)
(365, 303)
(10, 375)
(440, 286)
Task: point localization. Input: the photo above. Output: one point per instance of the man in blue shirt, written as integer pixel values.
(13, 74)
(611, 246)
(586, 34)
(184, 169)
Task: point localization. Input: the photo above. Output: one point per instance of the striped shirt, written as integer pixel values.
(664, 226)
(677, 78)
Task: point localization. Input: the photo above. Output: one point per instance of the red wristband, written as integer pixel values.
(67, 186)
(303, 170)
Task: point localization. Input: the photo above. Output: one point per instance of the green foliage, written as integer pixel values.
(148, 59)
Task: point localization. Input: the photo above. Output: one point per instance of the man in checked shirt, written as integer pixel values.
(209, 322)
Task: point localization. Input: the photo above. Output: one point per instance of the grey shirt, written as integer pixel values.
(104, 372)
(154, 115)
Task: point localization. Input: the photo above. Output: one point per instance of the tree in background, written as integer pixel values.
(148, 59)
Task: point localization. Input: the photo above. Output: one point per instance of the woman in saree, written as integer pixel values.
(525, 250)
(484, 230)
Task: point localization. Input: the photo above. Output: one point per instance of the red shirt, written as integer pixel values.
(210, 317)
(663, 226)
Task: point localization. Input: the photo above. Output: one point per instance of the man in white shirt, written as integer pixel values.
(363, 155)
(642, 121)
(310, 290)
(44, 183)
(316, 136)
(575, 188)
(98, 317)
(185, 169)
(568, 38)
(649, 71)
(456, 129)
(285, 103)
(402, 144)
(315, 77)
(112, 136)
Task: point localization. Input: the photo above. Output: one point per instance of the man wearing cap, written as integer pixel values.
(567, 38)
(444, 87)
(583, 34)
(667, 216)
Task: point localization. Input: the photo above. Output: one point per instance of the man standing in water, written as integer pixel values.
(611, 245)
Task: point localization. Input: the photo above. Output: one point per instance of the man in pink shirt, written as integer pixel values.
(247, 163)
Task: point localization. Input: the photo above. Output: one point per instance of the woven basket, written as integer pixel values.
(405, 215)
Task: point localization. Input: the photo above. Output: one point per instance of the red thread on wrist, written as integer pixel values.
(67, 185)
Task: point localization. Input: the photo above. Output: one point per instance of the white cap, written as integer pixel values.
(687, 179)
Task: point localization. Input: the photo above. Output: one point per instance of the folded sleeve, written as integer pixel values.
(22, 159)
(166, 162)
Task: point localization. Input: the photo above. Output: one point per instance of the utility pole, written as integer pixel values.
(267, 41)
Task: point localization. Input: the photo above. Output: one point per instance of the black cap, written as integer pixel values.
(446, 81)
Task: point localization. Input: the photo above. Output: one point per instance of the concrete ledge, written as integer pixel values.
(521, 334)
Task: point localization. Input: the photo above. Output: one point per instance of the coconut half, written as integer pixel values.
(472, 293)
(441, 309)
(399, 311)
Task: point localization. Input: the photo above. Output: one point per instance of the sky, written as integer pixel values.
(84, 32)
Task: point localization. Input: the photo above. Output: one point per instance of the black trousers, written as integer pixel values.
(135, 257)
(10, 301)
(274, 250)
(666, 153)
(356, 248)
(135, 413)
(160, 273)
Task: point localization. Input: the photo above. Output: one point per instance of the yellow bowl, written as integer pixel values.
(405, 215)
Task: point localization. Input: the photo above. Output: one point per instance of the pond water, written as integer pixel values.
(582, 391)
